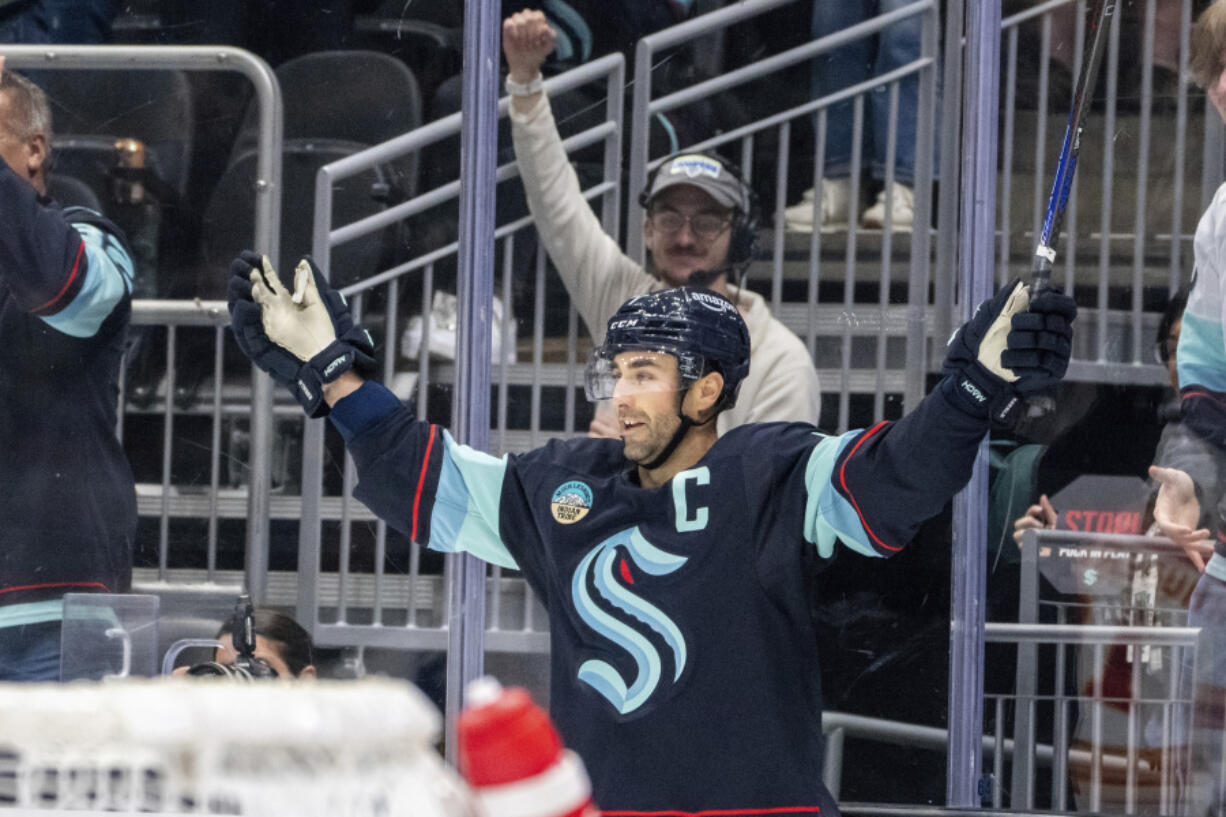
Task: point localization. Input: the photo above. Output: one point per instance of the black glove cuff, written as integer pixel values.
(363, 346)
(982, 394)
(336, 359)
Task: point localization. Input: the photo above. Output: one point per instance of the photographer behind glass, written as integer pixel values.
(281, 648)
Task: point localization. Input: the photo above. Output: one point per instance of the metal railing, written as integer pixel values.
(1114, 249)
(847, 319)
(1046, 544)
(1090, 761)
(844, 319)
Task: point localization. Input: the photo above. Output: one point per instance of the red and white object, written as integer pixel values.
(512, 756)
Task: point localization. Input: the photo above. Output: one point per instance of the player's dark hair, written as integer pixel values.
(291, 641)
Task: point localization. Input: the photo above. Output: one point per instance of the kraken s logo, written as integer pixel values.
(599, 565)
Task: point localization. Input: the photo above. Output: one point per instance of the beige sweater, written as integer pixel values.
(782, 383)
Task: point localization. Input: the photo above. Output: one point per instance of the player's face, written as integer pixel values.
(645, 399)
(264, 649)
(678, 253)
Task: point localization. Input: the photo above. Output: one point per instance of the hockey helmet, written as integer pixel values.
(700, 328)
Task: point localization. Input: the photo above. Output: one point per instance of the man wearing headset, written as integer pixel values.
(699, 227)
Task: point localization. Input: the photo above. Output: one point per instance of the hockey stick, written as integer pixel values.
(1045, 253)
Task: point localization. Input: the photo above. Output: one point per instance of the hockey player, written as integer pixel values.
(1189, 479)
(677, 565)
(67, 498)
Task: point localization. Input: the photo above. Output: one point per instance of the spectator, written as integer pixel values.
(677, 566)
(699, 229)
(848, 65)
(67, 499)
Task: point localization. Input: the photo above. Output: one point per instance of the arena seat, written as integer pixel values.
(360, 97)
(91, 109)
(229, 218)
(72, 192)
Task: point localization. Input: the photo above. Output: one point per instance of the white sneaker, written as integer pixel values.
(442, 334)
(902, 210)
(836, 195)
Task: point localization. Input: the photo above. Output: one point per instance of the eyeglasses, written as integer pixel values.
(704, 225)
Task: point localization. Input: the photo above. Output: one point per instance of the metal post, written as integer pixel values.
(921, 235)
(640, 133)
(470, 415)
(268, 241)
(943, 296)
(975, 268)
(1025, 684)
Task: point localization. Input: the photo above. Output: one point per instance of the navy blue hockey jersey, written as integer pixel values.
(684, 659)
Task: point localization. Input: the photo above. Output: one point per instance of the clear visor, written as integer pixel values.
(636, 371)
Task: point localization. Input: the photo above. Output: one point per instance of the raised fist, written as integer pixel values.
(527, 40)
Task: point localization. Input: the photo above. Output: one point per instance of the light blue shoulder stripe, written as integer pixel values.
(33, 612)
(1202, 354)
(108, 279)
(466, 504)
(828, 516)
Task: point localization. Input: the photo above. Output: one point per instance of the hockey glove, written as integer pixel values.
(1007, 352)
(303, 340)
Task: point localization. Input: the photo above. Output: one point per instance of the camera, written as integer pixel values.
(246, 667)
(240, 670)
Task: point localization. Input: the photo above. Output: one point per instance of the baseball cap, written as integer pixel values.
(707, 173)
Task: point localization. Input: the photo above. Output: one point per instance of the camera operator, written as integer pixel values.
(282, 649)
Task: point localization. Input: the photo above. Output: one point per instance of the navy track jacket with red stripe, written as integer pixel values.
(67, 500)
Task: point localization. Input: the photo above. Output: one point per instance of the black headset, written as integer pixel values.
(744, 240)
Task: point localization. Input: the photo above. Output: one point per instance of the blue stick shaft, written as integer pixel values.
(1045, 252)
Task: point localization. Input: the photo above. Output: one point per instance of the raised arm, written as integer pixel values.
(412, 474)
(598, 276)
(897, 475)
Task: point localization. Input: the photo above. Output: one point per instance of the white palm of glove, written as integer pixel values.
(299, 322)
(996, 339)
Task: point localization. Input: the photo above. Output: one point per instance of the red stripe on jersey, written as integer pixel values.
(714, 812)
(843, 482)
(76, 265)
(421, 481)
(53, 584)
